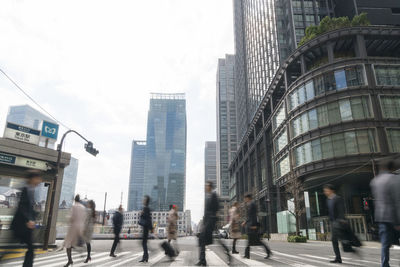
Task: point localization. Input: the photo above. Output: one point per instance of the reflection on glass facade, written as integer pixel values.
(387, 75)
(69, 184)
(281, 141)
(279, 117)
(334, 80)
(165, 161)
(336, 145)
(283, 166)
(136, 177)
(393, 135)
(226, 122)
(354, 108)
(390, 106)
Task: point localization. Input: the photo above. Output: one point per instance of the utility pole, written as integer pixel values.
(104, 210)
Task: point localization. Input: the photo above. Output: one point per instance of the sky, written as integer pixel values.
(93, 64)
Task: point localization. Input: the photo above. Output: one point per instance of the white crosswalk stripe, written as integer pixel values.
(250, 262)
(180, 260)
(290, 262)
(64, 260)
(213, 259)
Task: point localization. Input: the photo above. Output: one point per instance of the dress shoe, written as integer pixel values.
(87, 260)
(68, 264)
(113, 255)
(144, 260)
(336, 261)
(201, 263)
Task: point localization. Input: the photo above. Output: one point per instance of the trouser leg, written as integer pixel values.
(234, 245)
(115, 243)
(335, 245)
(69, 254)
(144, 245)
(28, 261)
(247, 251)
(89, 249)
(266, 247)
(385, 238)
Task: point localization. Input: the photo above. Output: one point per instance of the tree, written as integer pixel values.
(295, 189)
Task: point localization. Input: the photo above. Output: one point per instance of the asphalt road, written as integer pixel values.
(284, 254)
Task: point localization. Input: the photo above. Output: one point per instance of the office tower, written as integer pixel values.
(69, 184)
(210, 162)
(165, 160)
(136, 177)
(226, 122)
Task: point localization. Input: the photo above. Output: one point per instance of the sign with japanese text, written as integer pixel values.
(22, 133)
(23, 162)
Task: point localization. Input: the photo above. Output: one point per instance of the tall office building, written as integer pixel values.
(226, 122)
(266, 32)
(69, 184)
(210, 162)
(136, 177)
(165, 160)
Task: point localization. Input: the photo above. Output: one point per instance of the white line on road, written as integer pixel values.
(289, 262)
(250, 262)
(107, 257)
(56, 262)
(180, 260)
(124, 261)
(350, 259)
(213, 259)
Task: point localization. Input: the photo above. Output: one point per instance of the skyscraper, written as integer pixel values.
(226, 122)
(210, 162)
(69, 184)
(136, 177)
(165, 160)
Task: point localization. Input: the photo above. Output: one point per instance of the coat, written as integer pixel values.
(172, 224)
(77, 226)
(336, 209)
(210, 219)
(118, 221)
(234, 223)
(251, 222)
(24, 214)
(145, 219)
(386, 191)
(89, 225)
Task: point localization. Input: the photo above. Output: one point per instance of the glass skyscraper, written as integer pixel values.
(210, 162)
(69, 184)
(136, 177)
(226, 122)
(165, 159)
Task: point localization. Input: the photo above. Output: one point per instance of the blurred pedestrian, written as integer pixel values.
(89, 224)
(147, 225)
(118, 221)
(234, 225)
(339, 225)
(24, 219)
(252, 228)
(172, 227)
(209, 224)
(386, 191)
(74, 235)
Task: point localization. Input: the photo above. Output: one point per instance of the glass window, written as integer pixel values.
(296, 126)
(329, 82)
(333, 113)
(283, 166)
(279, 117)
(390, 106)
(340, 78)
(319, 85)
(322, 113)
(345, 110)
(304, 122)
(387, 75)
(351, 142)
(394, 139)
(302, 95)
(363, 141)
(338, 145)
(307, 152)
(294, 99)
(310, 90)
(299, 156)
(281, 141)
(326, 145)
(316, 149)
(354, 76)
(313, 119)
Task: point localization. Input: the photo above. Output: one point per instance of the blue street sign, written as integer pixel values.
(50, 130)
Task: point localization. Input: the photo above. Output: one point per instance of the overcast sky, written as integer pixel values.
(93, 64)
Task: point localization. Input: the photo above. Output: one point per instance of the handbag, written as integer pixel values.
(142, 221)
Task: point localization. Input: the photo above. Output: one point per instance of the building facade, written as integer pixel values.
(331, 111)
(69, 184)
(210, 162)
(165, 160)
(136, 177)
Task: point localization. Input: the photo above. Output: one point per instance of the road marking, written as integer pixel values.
(349, 259)
(56, 262)
(124, 261)
(250, 262)
(180, 260)
(300, 258)
(213, 259)
(289, 262)
(105, 258)
(156, 258)
(36, 259)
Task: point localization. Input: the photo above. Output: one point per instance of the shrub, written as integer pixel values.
(297, 239)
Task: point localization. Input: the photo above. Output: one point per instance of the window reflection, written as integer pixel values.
(282, 167)
(387, 75)
(279, 117)
(390, 106)
(394, 139)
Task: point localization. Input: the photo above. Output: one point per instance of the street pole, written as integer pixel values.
(104, 210)
(54, 188)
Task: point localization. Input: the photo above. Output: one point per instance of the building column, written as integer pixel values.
(331, 56)
(360, 48)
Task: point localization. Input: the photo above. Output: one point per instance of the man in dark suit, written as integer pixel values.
(386, 190)
(118, 220)
(340, 227)
(24, 219)
(209, 223)
(252, 226)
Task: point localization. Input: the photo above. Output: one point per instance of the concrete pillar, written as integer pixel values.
(53, 230)
(360, 48)
(331, 56)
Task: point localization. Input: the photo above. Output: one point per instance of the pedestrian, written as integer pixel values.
(172, 227)
(87, 234)
(147, 225)
(252, 227)
(385, 189)
(209, 224)
(339, 225)
(24, 219)
(118, 221)
(74, 235)
(234, 225)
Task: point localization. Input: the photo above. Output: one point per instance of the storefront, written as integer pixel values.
(16, 159)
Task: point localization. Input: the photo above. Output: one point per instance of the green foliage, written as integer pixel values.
(330, 24)
(297, 239)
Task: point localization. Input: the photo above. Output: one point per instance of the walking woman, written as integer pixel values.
(76, 229)
(147, 224)
(87, 234)
(172, 226)
(234, 225)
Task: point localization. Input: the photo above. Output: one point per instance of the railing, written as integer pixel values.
(357, 223)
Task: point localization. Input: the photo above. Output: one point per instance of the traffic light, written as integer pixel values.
(90, 149)
(365, 204)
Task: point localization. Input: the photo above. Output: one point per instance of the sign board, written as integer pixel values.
(22, 133)
(49, 130)
(23, 162)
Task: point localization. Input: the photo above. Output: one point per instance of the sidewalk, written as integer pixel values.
(13, 251)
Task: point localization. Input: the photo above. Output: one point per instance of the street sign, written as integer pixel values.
(49, 130)
(22, 133)
(23, 162)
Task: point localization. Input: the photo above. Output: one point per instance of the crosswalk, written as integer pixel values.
(189, 258)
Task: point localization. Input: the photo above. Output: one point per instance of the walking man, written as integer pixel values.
(118, 220)
(252, 226)
(24, 219)
(386, 191)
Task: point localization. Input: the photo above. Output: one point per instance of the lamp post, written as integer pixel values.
(90, 149)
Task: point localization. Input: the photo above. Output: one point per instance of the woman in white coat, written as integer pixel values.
(77, 227)
(234, 225)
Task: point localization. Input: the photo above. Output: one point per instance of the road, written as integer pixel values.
(285, 254)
